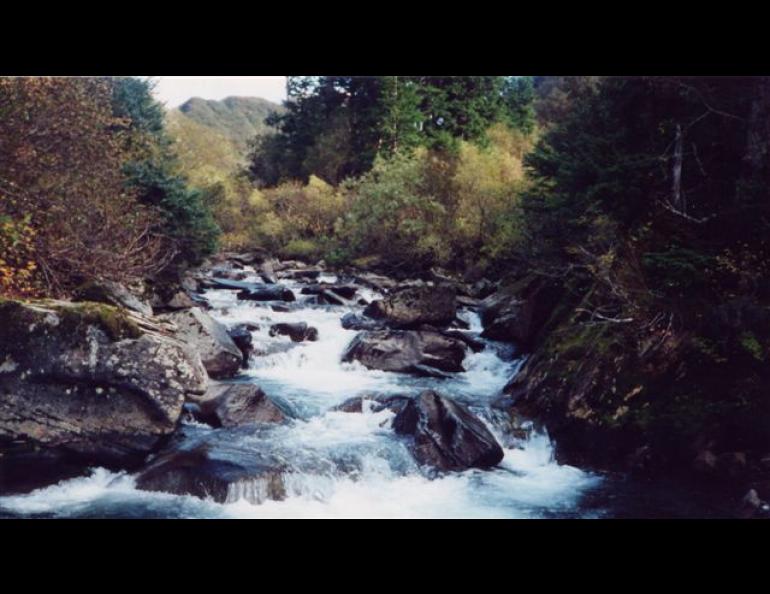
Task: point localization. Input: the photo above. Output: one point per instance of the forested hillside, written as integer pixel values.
(241, 119)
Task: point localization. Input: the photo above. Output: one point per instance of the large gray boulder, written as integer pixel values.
(91, 380)
(414, 306)
(407, 351)
(446, 435)
(220, 355)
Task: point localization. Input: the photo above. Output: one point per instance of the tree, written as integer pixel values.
(62, 152)
(187, 221)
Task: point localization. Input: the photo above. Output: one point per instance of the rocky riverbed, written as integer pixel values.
(259, 388)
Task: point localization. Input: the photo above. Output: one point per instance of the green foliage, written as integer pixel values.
(335, 127)
(751, 345)
(676, 269)
(187, 220)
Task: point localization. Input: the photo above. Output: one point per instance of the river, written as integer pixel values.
(349, 465)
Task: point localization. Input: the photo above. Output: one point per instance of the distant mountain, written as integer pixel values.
(238, 118)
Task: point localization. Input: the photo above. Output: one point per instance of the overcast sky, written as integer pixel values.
(175, 90)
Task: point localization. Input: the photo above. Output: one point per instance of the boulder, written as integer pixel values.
(91, 380)
(112, 293)
(473, 343)
(220, 355)
(329, 298)
(351, 321)
(202, 473)
(446, 435)
(241, 335)
(411, 307)
(344, 291)
(298, 331)
(517, 313)
(406, 351)
(238, 404)
(267, 293)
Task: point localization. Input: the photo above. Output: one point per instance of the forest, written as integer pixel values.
(627, 216)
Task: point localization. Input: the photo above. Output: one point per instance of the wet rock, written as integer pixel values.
(238, 404)
(351, 321)
(474, 344)
(112, 293)
(25, 471)
(297, 332)
(201, 473)
(481, 289)
(517, 313)
(378, 403)
(411, 307)
(469, 302)
(91, 380)
(280, 308)
(241, 335)
(344, 291)
(220, 355)
(404, 351)
(233, 285)
(446, 435)
(267, 293)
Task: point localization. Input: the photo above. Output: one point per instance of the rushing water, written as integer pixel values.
(344, 465)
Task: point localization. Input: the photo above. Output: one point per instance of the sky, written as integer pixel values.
(175, 90)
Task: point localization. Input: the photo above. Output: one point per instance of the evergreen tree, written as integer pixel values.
(187, 221)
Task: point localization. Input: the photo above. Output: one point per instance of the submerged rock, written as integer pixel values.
(239, 404)
(201, 473)
(406, 351)
(298, 331)
(413, 306)
(90, 380)
(446, 435)
(220, 355)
